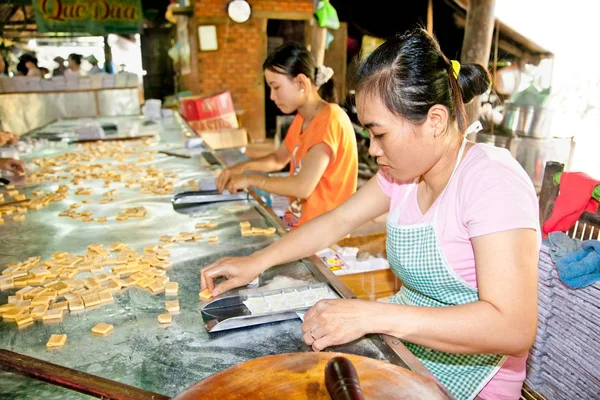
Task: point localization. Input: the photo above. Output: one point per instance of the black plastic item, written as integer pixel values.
(4, 181)
(341, 380)
(110, 128)
(211, 158)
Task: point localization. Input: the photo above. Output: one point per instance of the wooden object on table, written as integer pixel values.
(371, 285)
(586, 227)
(341, 380)
(299, 376)
(72, 379)
(223, 138)
(372, 243)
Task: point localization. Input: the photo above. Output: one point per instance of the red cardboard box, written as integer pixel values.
(209, 113)
(187, 109)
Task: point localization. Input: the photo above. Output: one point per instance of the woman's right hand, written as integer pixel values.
(225, 176)
(239, 271)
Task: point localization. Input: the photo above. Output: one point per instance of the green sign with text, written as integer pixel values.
(98, 17)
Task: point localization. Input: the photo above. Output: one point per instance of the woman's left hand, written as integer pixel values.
(8, 138)
(15, 166)
(334, 322)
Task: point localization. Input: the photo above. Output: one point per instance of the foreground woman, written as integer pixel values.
(462, 231)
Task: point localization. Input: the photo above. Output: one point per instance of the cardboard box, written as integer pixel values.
(187, 109)
(224, 138)
(210, 113)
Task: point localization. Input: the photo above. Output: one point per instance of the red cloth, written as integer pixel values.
(574, 197)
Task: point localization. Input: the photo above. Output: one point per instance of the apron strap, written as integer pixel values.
(473, 128)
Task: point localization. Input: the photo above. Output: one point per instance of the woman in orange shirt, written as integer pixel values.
(320, 144)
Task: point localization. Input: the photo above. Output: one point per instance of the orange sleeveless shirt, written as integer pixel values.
(332, 127)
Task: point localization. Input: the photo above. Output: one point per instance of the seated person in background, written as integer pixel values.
(30, 62)
(60, 69)
(74, 65)
(94, 61)
(320, 144)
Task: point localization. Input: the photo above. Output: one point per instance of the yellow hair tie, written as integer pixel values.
(455, 68)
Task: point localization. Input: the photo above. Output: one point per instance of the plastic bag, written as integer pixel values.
(327, 16)
(531, 96)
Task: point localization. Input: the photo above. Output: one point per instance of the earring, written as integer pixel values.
(302, 90)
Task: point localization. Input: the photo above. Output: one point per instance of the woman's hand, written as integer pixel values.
(8, 138)
(226, 175)
(17, 167)
(238, 183)
(334, 322)
(239, 271)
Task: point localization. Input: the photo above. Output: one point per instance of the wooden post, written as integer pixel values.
(477, 42)
(107, 57)
(335, 57)
(317, 48)
(430, 17)
(549, 191)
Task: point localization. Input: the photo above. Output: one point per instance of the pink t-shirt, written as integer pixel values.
(489, 192)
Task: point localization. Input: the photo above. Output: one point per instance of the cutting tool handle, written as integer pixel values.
(341, 380)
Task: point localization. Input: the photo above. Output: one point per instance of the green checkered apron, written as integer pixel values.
(415, 256)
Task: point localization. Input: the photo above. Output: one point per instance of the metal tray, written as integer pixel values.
(230, 312)
(206, 196)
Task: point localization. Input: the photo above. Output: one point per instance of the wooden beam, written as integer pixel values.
(17, 24)
(22, 2)
(505, 31)
(189, 10)
(287, 15)
(507, 44)
(517, 37)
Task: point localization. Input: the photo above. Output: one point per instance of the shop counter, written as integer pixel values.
(22, 112)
